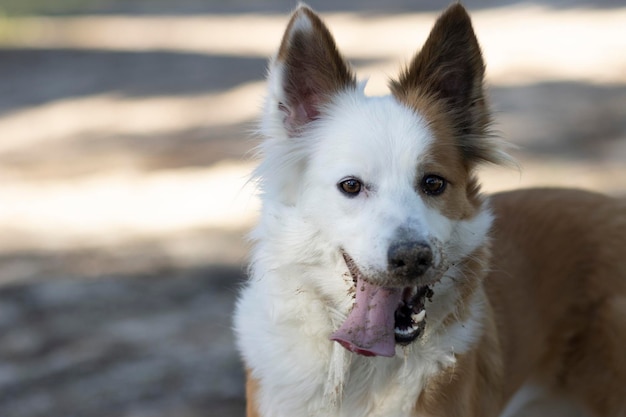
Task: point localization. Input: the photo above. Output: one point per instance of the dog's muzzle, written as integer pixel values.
(389, 309)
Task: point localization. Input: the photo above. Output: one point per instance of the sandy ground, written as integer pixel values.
(125, 145)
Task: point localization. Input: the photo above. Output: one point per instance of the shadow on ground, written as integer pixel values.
(154, 344)
(568, 120)
(78, 73)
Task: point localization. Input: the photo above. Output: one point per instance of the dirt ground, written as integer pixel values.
(125, 142)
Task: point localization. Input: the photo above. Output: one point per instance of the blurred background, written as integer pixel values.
(125, 145)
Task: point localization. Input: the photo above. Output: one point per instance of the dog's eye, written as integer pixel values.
(350, 187)
(433, 185)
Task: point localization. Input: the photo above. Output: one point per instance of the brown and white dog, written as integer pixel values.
(384, 284)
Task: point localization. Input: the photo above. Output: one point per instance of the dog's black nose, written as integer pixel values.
(409, 258)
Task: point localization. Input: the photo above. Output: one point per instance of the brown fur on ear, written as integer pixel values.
(313, 68)
(450, 70)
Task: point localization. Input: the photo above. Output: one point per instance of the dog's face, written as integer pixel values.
(386, 182)
(378, 187)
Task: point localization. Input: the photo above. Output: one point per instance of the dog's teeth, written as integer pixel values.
(405, 332)
(418, 317)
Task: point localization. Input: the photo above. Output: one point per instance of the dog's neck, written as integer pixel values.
(456, 314)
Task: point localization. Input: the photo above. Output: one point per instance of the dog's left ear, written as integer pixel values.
(449, 70)
(306, 72)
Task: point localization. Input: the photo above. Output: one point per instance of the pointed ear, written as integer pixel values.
(449, 70)
(307, 71)
(450, 65)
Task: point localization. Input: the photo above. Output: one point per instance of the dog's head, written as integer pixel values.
(386, 183)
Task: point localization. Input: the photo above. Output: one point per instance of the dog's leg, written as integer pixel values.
(590, 380)
(597, 370)
(472, 387)
(252, 387)
(535, 400)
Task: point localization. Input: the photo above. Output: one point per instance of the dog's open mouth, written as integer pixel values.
(381, 316)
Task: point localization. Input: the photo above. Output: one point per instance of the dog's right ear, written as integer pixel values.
(307, 71)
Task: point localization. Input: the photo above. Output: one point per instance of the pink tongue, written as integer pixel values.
(369, 328)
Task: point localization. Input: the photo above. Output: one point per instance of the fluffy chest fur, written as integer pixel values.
(285, 339)
(288, 310)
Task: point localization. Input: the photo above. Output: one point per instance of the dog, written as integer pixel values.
(384, 283)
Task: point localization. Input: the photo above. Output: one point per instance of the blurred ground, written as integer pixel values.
(124, 149)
